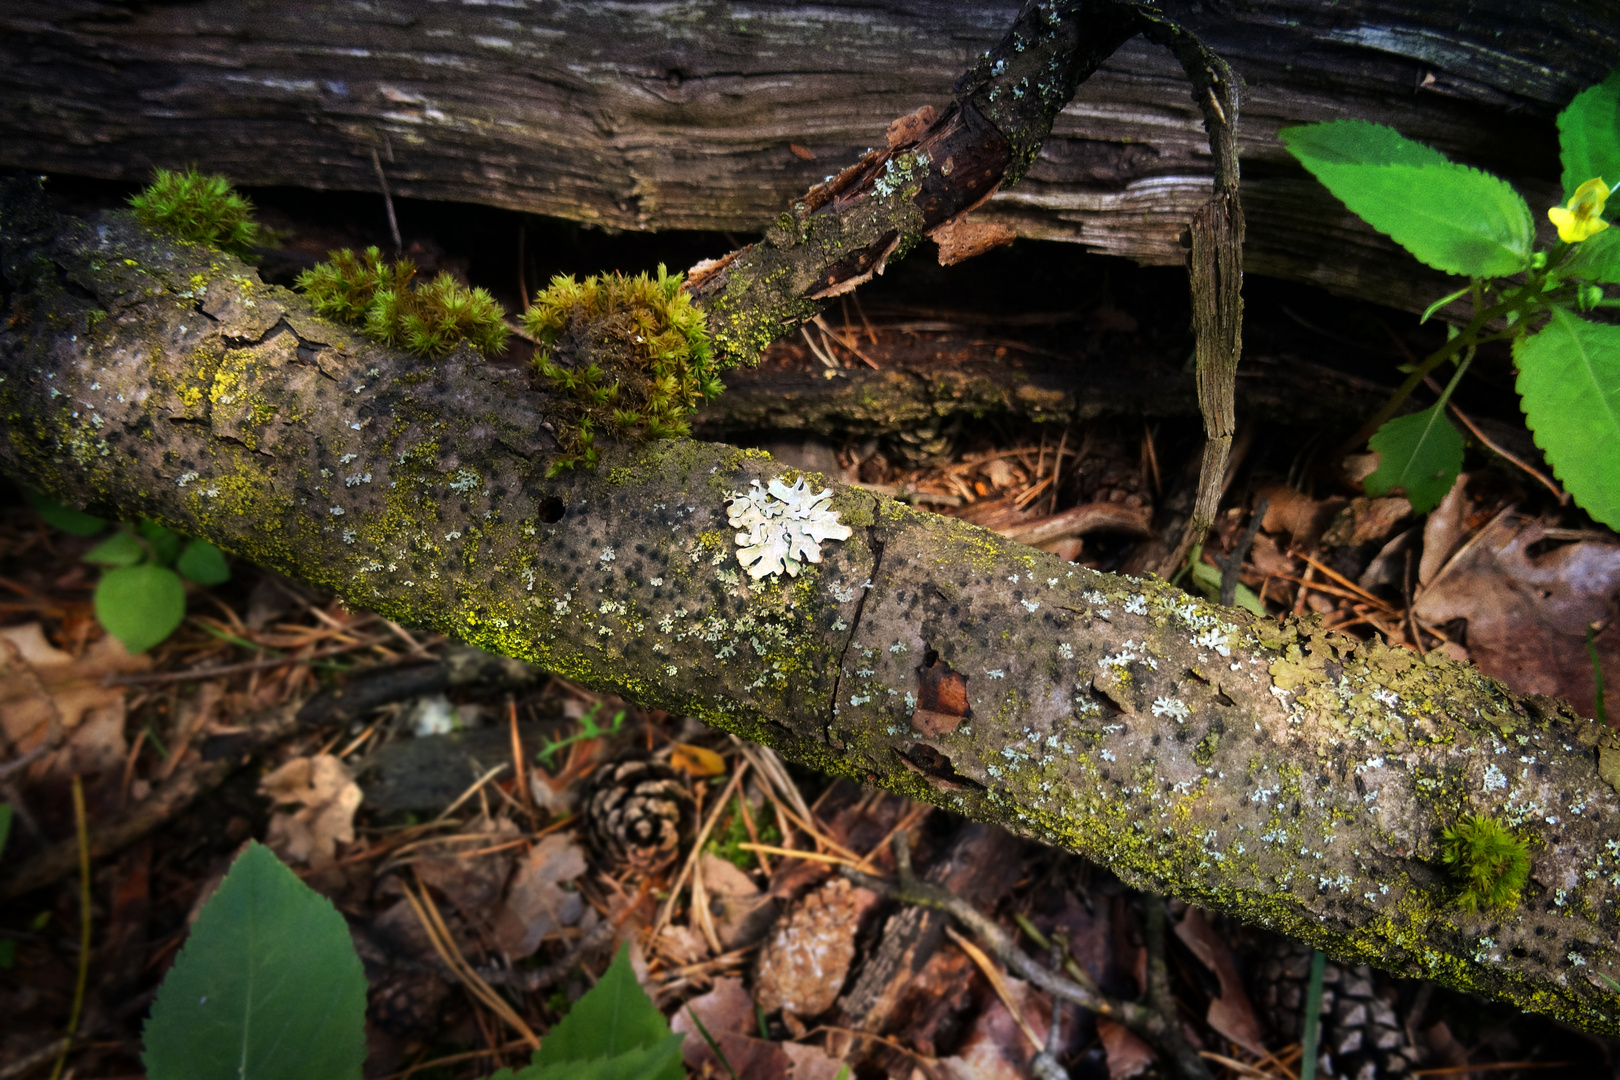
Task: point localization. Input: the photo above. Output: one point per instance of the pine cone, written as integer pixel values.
(806, 959)
(636, 813)
(1360, 1039)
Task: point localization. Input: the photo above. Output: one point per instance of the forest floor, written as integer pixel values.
(508, 801)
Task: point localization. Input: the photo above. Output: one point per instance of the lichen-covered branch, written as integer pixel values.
(1294, 777)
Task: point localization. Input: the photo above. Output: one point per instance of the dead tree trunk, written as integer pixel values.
(1297, 778)
(714, 116)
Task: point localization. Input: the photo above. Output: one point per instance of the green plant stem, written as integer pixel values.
(83, 825)
(1597, 677)
(1313, 1018)
(1518, 301)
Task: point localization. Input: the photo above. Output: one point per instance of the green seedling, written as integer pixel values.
(1469, 223)
(627, 356)
(197, 209)
(140, 599)
(269, 986)
(588, 730)
(1490, 862)
(391, 308)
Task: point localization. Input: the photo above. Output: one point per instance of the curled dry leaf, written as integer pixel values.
(1231, 1013)
(47, 694)
(1527, 612)
(326, 796)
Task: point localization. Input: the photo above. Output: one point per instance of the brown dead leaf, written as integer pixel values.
(1300, 516)
(47, 694)
(727, 1014)
(996, 1047)
(696, 760)
(536, 904)
(742, 911)
(1231, 1014)
(1527, 614)
(327, 797)
(1128, 1055)
(1445, 528)
(1366, 521)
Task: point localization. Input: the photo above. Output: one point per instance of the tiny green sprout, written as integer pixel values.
(381, 298)
(1491, 862)
(627, 355)
(197, 209)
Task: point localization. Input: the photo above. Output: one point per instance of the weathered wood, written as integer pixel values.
(658, 116)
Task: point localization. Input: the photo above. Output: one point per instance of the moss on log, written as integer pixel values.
(1294, 777)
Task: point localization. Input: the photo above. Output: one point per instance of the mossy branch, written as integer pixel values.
(1295, 777)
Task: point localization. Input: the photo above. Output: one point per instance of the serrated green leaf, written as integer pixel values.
(1449, 216)
(203, 563)
(140, 605)
(165, 542)
(657, 1062)
(1569, 384)
(1597, 259)
(119, 549)
(1589, 135)
(1419, 454)
(614, 1018)
(267, 988)
(71, 521)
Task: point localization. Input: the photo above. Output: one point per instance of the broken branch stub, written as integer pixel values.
(1292, 776)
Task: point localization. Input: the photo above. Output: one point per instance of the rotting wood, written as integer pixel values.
(658, 116)
(1294, 777)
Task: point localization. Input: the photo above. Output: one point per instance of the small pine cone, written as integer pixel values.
(1360, 1036)
(636, 813)
(806, 959)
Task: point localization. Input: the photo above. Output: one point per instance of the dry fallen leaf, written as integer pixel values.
(741, 910)
(696, 760)
(1128, 1055)
(1231, 1014)
(537, 905)
(996, 1047)
(326, 796)
(1527, 613)
(46, 694)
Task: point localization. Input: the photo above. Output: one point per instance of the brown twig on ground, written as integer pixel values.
(1158, 1028)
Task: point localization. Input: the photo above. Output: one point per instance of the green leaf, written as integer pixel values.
(1597, 259)
(1449, 216)
(5, 825)
(71, 521)
(140, 605)
(165, 542)
(203, 563)
(119, 549)
(657, 1062)
(1419, 454)
(1589, 135)
(613, 1019)
(1569, 383)
(267, 988)
(1208, 580)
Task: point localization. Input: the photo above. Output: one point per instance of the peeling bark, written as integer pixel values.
(1294, 777)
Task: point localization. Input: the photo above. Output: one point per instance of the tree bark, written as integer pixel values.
(661, 116)
(1294, 777)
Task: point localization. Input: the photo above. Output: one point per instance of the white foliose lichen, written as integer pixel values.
(782, 527)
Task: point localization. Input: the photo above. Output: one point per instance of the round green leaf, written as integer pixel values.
(71, 521)
(203, 563)
(267, 988)
(1569, 384)
(1449, 216)
(140, 605)
(1589, 135)
(165, 542)
(119, 549)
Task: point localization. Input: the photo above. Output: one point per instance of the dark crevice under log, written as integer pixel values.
(1297, 778)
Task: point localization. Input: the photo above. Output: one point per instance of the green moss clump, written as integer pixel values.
(379, 296)
(627, 355)
(197, 209)
(1491, 862)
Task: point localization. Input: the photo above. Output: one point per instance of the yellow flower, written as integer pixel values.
(1581, 219)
